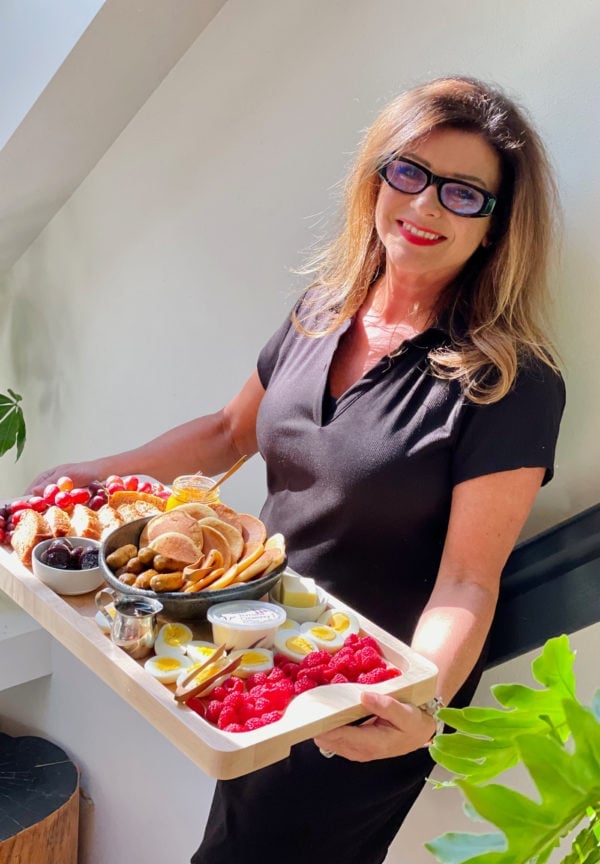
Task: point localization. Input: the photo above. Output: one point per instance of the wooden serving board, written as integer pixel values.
(224, 755)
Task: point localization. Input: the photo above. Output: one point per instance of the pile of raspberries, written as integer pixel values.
(240, 705)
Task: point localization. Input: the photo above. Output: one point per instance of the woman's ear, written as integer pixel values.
(486, 242)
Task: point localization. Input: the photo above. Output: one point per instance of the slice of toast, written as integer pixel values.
(32, 528)
(59, 522)
(118, 499)
(85, 522)
(109, 519)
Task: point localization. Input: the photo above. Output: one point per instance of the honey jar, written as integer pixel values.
(192, 488)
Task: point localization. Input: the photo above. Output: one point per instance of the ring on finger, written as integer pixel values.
(326, 753)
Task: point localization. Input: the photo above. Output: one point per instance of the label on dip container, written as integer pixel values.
(243, 622)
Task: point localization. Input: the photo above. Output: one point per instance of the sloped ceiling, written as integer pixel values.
(115, 66)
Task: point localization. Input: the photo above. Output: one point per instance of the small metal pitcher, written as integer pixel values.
(134, 626)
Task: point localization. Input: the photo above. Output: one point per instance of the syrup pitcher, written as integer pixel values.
(134, 626)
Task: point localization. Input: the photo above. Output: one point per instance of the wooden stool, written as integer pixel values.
(39, 803)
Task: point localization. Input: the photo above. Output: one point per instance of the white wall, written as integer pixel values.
(35, 38)
(146, 299)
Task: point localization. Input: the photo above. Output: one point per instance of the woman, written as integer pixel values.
(407, 413)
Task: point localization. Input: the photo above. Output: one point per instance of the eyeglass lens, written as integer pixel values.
(457, 197)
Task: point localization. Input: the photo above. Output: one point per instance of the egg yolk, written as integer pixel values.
(339, 621)
(253, 658)
(300, 645)
(166, 664)
(323, 634)
(175, 634)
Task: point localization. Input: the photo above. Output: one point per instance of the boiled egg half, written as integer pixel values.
(101, 620)
(172, 639)
(325, 637)
(293, 644)
(341, 620)
(166, 668)
(253, 660)
(199, 651)
(289, 624)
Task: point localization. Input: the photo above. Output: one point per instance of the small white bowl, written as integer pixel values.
(300, 614)
(67, 582)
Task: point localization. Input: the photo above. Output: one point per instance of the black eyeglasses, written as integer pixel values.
(460, 198)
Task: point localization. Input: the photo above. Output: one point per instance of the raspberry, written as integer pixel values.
(197, 705)
(303, 684)
(256, 679)
(280, 695)
(315, 674)
(258, 691)
(291, 670)
(254, 723)
(367, 658)
(234, 700)
(272, 716)
(352, 639)
(234, 727)
(227, 716)
(276, 674)
(219, 693)
(368, 641)
(338, 678)
(248, 709)
(280, 660)
(377, 675)
(315, 658)
(346, 665)
(213, 709)
(261, 705)
(234, 685)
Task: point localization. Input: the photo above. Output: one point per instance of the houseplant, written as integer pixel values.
(12, 423)
(557, 739)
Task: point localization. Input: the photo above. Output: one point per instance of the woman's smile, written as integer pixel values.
(417, 235)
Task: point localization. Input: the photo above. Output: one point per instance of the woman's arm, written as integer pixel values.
(209, 444)
(486, 517)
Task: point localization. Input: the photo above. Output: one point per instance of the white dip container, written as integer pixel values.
(243, 623)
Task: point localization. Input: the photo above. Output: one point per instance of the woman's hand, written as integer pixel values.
(396, 729)
(81, 473)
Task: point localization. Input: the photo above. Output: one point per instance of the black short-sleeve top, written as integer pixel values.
(361, 486)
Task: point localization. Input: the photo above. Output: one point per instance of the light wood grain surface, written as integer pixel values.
(219, 754)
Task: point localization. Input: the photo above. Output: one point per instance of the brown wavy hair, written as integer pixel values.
(497, 309)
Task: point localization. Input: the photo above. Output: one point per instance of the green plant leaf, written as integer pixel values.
(561, 752)
(12, 423)
(491, 733)
(453, 847)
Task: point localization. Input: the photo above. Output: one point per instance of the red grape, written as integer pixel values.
(97, 502)
(79, 496)
(65, 484)
(64, 500)
(36, 502)
(19, 504)
(131, 484)
(115, 486)
(50, 492)
(144, 486)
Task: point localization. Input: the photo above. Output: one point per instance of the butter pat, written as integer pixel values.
(298, 591)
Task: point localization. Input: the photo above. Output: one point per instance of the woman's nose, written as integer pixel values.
(427, 201)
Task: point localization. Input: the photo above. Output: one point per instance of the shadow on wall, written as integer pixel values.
(33, 347)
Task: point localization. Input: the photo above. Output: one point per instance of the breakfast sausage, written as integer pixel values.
(167, 581)
(121, 556)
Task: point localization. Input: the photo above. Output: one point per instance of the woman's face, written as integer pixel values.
(424, 241)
